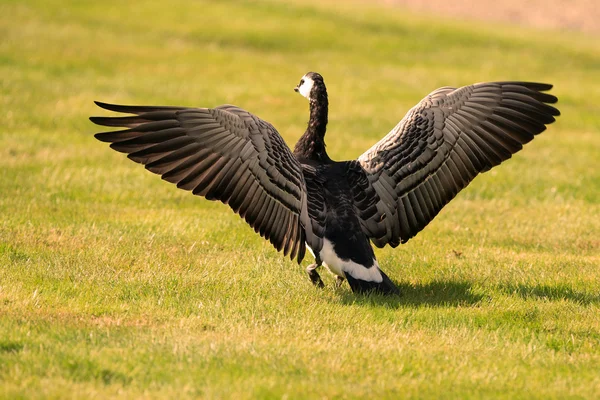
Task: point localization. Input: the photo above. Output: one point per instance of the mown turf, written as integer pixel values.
(115, 284)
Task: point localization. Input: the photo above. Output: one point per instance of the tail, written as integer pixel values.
(386, 286)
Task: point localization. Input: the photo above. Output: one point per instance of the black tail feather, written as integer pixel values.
(386, 286)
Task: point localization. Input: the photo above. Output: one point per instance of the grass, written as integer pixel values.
(114, 284)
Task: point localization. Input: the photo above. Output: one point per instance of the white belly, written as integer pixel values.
(340, 266)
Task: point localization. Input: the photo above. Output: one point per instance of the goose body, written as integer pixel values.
(302, 199)
(344, 249)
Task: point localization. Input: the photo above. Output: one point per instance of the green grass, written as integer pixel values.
(115, 284)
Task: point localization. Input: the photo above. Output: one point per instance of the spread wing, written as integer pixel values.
(317, 209)
(403, 181)
(225, 154)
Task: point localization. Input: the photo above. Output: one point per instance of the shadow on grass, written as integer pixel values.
(553, 293)
(10, 347)
(461, 294)
(431, 294)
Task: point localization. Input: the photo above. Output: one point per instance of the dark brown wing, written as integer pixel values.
(317, 207)
(225, 154)
(439, 147)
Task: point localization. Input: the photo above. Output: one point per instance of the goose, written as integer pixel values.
(337, 209)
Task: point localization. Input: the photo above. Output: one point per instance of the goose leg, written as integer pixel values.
(314, 276)
(338, 281)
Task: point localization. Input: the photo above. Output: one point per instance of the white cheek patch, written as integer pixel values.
(306, 87)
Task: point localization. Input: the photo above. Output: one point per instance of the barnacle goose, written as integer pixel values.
(304, 199)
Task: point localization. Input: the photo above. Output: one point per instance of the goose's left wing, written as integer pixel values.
(223, 153)
(403, 181)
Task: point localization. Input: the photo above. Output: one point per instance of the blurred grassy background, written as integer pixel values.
(113, 283)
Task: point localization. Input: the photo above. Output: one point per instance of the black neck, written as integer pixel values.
(312, 144)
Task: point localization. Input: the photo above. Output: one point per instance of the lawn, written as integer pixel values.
(114, 283)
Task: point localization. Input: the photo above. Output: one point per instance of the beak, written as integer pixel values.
(296, 89)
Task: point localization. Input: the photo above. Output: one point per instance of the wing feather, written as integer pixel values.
(224, 154)
(439, 147)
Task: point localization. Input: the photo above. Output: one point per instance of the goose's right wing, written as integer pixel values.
(442, 143)
(225, 154)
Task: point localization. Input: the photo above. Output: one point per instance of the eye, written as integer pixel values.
(301, 82)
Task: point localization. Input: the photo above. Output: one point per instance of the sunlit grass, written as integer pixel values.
(113, 283)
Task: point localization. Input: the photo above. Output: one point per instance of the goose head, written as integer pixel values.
(311, 86)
